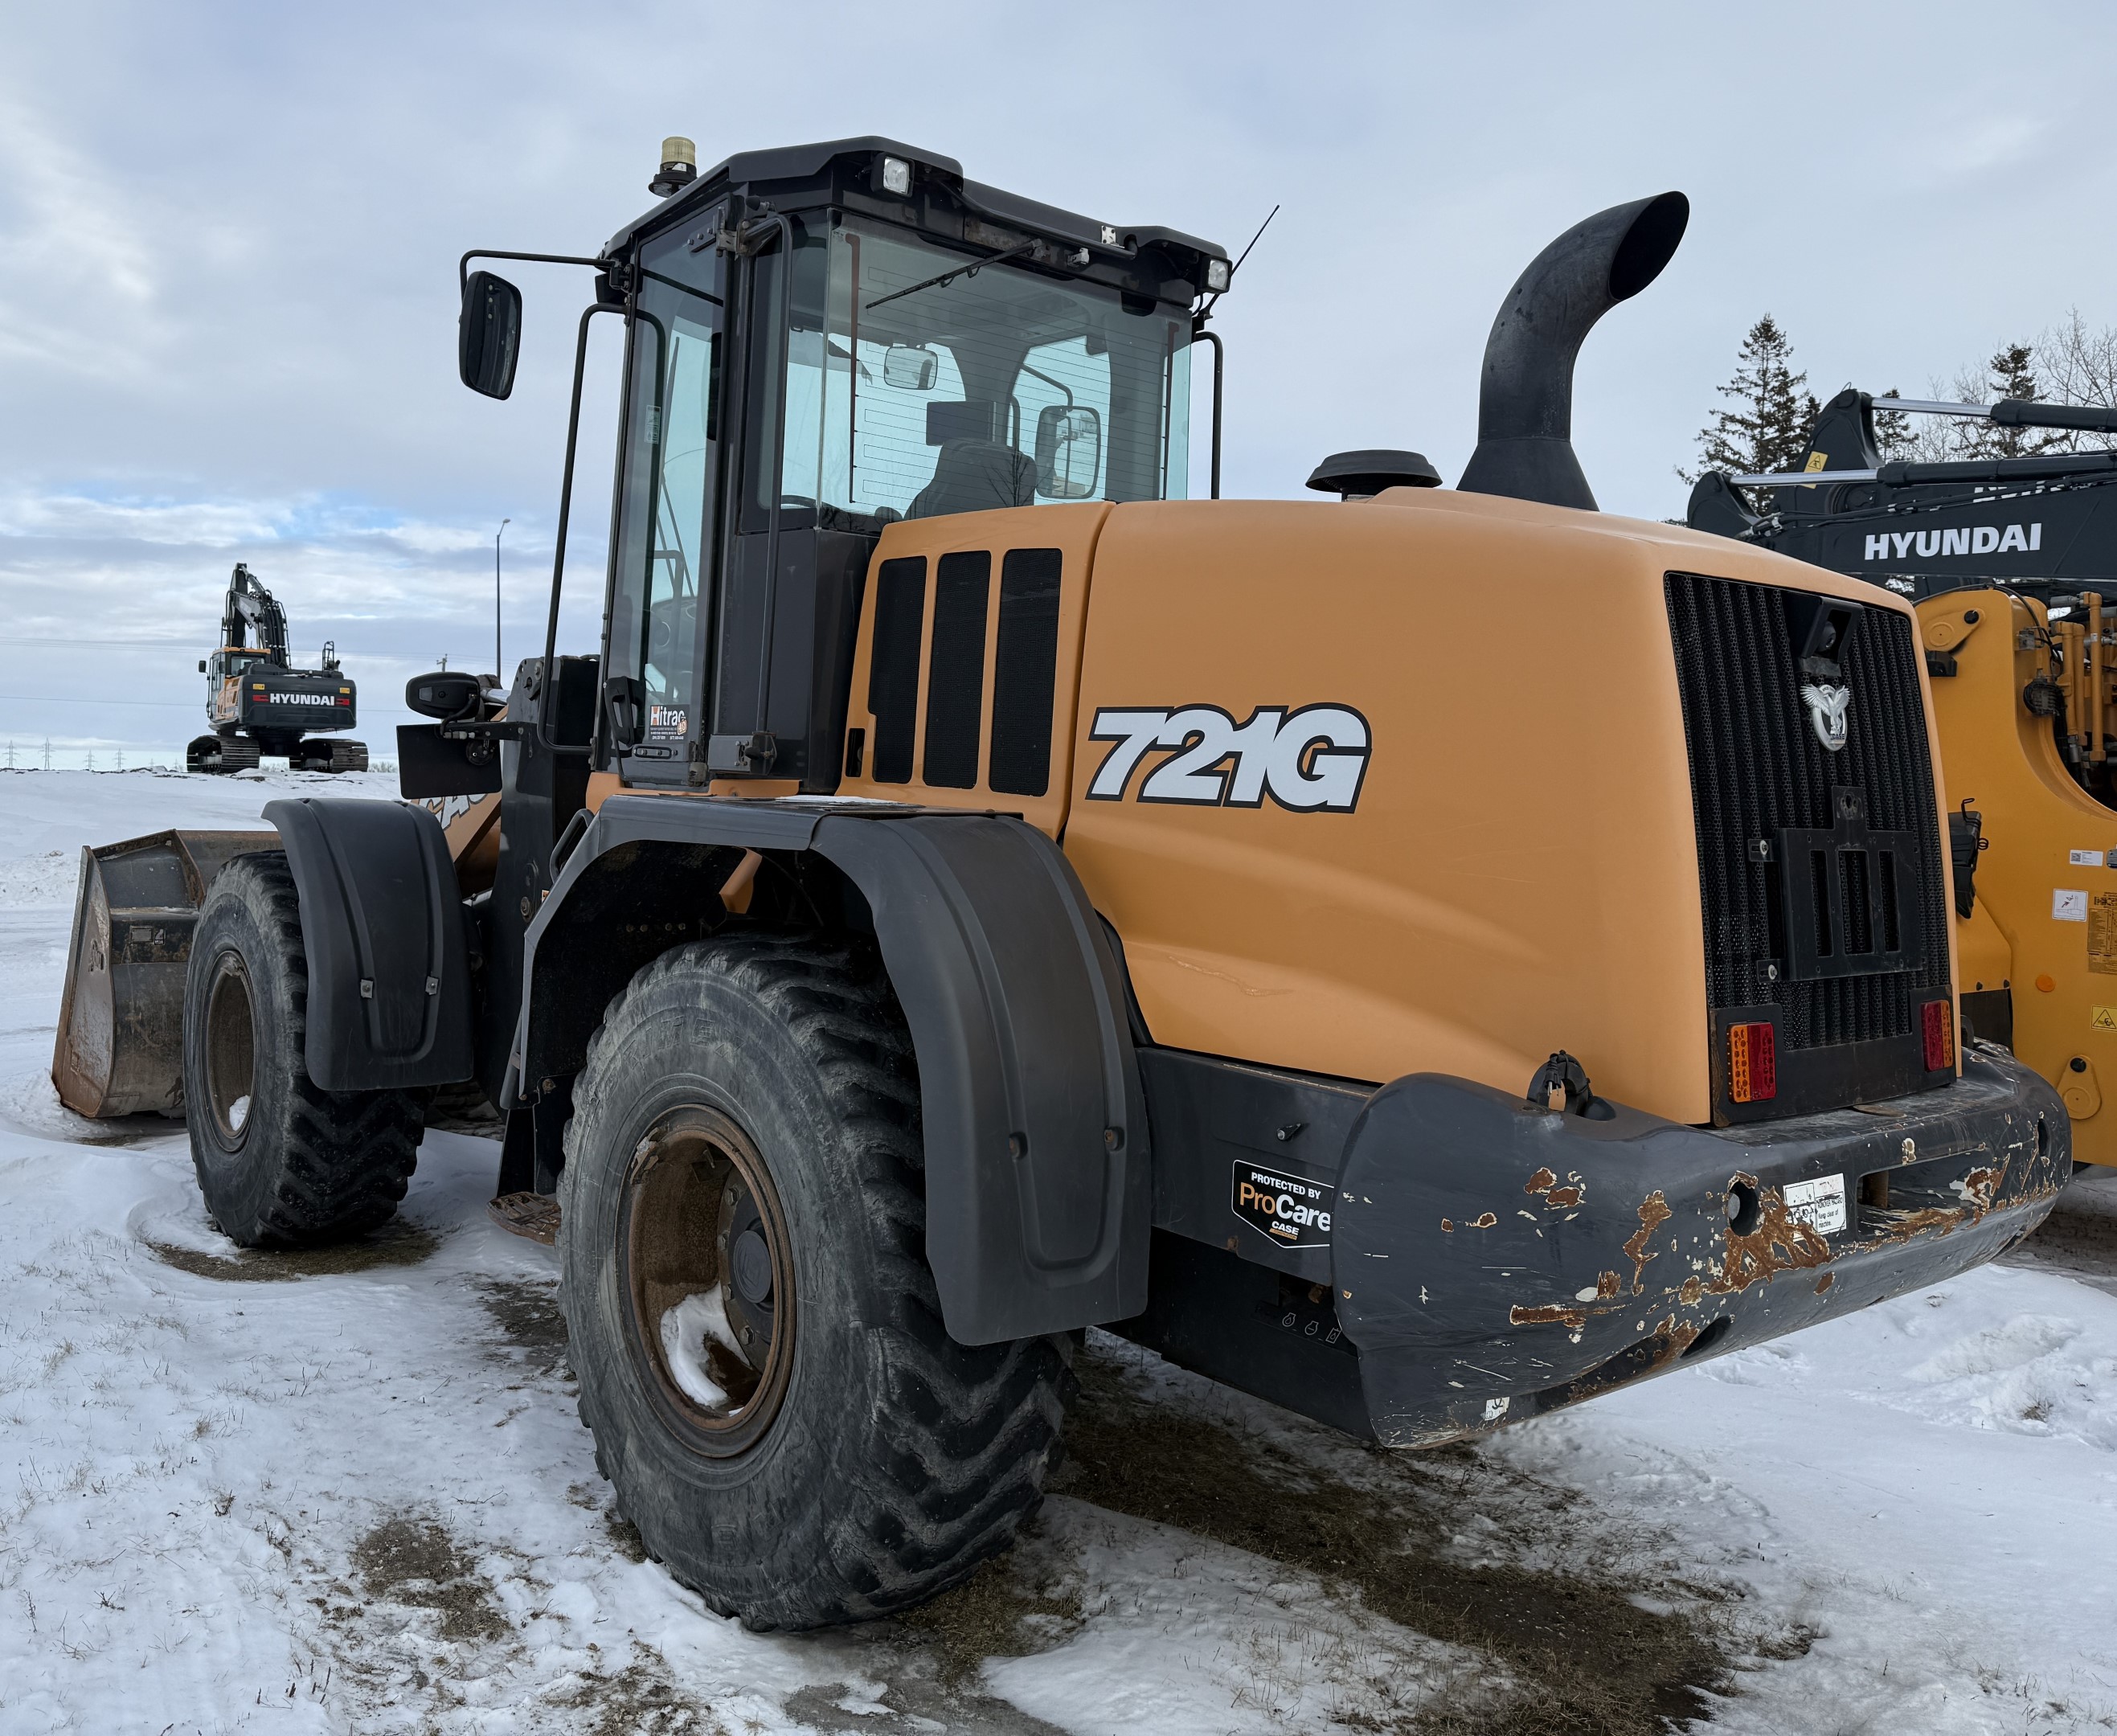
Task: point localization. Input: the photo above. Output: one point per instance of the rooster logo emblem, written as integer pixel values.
(1827, 707)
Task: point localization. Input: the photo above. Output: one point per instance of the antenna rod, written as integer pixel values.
(499, 668)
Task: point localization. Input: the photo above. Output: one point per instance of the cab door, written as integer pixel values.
(662, 567)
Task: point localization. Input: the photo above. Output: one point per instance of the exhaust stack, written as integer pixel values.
(1525, 402)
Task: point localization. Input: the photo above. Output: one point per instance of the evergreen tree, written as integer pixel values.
(1766, 428)
(2011, 373)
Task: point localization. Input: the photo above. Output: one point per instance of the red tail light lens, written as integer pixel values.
(1753, 1069)
(1939, 1018)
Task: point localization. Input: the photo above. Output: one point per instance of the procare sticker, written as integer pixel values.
(2103, 934)
(1293, 1213)
(2068, 906)
(2087, 858)
(2102, 1019)
(668, 723)
(1820, 1203)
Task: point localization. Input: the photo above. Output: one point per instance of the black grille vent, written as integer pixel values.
(956, 676)
(893, 675)
(1025, 669)
(1757, 768)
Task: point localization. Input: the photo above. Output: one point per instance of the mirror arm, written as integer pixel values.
(549, 698)
(1200, 334)
(463, 265)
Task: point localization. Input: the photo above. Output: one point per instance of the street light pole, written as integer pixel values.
(499, 668)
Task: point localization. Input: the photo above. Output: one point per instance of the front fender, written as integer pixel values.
(389, 995)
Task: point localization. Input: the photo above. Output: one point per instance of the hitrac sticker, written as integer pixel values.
(1293, 1213)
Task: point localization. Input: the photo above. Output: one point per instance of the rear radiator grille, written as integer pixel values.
(1757, 768)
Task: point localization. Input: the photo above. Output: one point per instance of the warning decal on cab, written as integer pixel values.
(1293, 1213)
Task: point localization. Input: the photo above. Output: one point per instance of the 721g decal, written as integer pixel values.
(1311, 759)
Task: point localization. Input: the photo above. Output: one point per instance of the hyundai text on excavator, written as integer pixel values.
(2012, 565)
(258, 702)
(975, 893)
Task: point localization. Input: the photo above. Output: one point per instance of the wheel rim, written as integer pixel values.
(709, 1275)
(231, 1051)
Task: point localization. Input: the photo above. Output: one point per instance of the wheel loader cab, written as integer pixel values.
(807, 364)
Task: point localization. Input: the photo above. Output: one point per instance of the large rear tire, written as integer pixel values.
(757, 1334)
(281, 1163)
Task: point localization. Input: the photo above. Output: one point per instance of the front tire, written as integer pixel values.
(757, 1333)
(281, 1163)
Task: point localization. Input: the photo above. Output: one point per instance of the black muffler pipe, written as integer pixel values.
(1525, 401)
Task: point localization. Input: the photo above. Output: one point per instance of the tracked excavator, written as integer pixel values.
(258, 702)
(974, 892)
(2011, 564)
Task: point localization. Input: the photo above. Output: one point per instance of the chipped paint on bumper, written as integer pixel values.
(1494, 1261)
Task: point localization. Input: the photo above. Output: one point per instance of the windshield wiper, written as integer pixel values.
(971, 269)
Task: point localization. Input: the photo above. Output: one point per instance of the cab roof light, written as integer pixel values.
(680, 167)
(1937, 1020)
(1753, 1075)
(897, 177)
(1219, 274)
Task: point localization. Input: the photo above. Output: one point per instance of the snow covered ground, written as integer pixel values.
(347, 1492)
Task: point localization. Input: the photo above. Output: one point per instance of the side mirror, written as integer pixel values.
(448, 695)
(201, 666)
(910, 368)
(489, 334)
(1069, 452)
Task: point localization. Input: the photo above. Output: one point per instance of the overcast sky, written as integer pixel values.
(228, 235)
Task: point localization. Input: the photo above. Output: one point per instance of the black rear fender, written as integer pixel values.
(1037, 1181)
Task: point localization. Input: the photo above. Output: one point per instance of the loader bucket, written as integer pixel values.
(121, 1037)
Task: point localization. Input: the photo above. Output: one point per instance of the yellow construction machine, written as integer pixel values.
(973, 894)
(2010, 561)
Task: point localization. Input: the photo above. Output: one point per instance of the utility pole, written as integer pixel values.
(499, 668)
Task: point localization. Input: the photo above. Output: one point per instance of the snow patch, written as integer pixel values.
(686, 1330)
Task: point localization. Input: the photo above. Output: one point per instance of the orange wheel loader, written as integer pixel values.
(973, 893)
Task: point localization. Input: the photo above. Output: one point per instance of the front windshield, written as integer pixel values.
(1005, 386)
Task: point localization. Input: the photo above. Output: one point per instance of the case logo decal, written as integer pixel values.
(1827, 706)
(1293, 1213)
(1312, 758)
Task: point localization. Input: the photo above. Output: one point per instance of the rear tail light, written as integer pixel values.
(1753, 1071)
(1939, 1018)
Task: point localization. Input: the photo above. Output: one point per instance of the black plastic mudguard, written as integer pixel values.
(389, 993)
(1038, 1181)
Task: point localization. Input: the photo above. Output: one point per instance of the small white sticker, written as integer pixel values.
(1820, 1203)
(2087, 858)
(1495, 1408)
(2068, 906)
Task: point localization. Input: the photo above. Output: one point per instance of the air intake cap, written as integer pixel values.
(1355, 476)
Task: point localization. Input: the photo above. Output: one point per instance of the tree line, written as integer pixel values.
(1764, 427)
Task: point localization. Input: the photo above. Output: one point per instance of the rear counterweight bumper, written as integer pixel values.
(1493, 1262)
